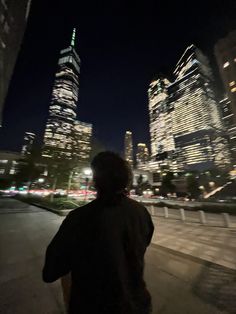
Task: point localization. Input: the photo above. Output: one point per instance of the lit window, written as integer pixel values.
(2, 171)
(12, 171)
(233, 90)
(226, 64)
(232, 83)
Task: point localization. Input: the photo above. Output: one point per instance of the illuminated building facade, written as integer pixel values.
(161, 133)
(13, 20)
(197, 125)
(142, 154)
(9, 164)
(129, 148)
(186, 128)
(227, 117)
(28, 143)
(82, 138)
(225, 52)
(58, 137)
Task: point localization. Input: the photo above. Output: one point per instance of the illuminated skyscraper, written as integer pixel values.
(13, 20)
(142, 155)
(160, 113)
(225, 52)
(129, 148)
(82, 138)
(196, 121)
(186, 129)
(58, 137)
(28, 143)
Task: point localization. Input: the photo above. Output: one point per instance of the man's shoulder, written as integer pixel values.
(81, 211)
(135, 204)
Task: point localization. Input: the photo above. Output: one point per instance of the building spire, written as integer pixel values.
(73, 37)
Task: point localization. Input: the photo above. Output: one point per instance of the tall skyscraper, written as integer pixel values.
(129, 148)
(161, 131)
(142, 155)
(13, 19)
(185, 122)
(82, 138)
(28, 143)
(225, 52)
(197, 125)
(58, 137)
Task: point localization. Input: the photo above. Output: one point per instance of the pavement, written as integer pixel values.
(179, 281)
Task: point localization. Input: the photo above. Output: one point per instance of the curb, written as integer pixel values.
(59, 212)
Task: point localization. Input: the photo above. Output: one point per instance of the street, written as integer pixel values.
(180, 272)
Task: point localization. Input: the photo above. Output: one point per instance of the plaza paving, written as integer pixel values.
(179, 281)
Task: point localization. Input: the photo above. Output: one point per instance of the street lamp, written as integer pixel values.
(87, 173)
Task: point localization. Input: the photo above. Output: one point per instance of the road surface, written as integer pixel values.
(179, 283)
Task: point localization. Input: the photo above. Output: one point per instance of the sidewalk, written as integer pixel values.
(178, 282)
(213, 244)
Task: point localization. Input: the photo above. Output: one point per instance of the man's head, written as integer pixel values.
(111, 173)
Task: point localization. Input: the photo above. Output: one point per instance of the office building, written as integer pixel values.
(186, 128)
(142, 154)
(161, 131)
(58, 137)
(82, 141)
(128, 151)
(197, 126)
(28, 143)
(9, 164)
(13, 19)
(227, 117)
(225, 52)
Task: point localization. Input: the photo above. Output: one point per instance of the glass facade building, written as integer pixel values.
(28, 143)
(142, 155)
(129, 148)
(58, 137)
(82, 141)
(193, 132)
(225, 52)
(161, 130)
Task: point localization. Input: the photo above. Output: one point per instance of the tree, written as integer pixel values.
(167, 186)
(29, 169)
(193, 186)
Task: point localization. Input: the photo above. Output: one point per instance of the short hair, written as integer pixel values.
(111, 173)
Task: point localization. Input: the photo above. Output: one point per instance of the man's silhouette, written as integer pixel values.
(102, 245)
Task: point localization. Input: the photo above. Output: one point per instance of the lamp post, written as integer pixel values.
(87, 173)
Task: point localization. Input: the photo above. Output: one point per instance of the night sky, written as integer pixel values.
(122, 46)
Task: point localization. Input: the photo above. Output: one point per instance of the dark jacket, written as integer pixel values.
(102, 244)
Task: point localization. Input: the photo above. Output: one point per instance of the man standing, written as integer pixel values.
(102, 245)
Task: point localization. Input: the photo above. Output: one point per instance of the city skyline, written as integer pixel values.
(119, 98)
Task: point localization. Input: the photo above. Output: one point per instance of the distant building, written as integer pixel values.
(9, 164)
(82, 141)
(28, 143)
(142, 154)
(225, 52)
(128, 151)
(13, 19)
(58, 137)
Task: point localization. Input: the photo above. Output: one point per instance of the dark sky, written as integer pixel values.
(122, 46)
